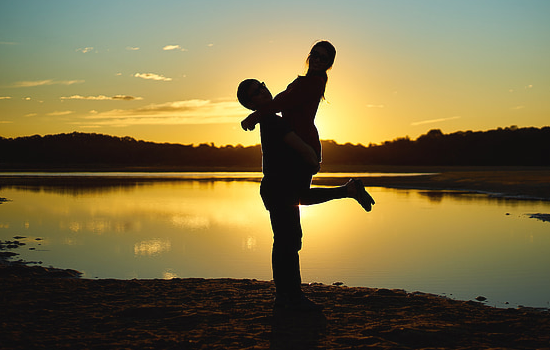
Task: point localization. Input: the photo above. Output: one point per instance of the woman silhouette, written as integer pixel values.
(299, 102)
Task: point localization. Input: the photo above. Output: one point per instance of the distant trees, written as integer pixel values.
(503, 146)
(508, 146)
(82, 149)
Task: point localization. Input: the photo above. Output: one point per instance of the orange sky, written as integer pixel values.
(168, 71)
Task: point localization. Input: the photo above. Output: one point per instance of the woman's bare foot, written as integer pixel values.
(356, 190)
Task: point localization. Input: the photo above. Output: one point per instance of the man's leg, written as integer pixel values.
(287, 242)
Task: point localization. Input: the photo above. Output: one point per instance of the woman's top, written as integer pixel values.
(298, 105)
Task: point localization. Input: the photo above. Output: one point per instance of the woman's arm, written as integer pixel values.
(298, 92)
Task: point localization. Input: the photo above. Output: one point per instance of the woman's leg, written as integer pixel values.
(319, 195)
(352, 189)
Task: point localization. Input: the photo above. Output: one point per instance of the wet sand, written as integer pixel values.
(44, 308)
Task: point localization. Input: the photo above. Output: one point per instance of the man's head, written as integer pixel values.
(253, 94)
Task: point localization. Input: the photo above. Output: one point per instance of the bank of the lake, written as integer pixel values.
(503, 181)
(43, 312)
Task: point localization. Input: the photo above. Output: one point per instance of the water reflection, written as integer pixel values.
(152, 247)
(454, 243)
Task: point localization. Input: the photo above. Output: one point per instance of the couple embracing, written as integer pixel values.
(291, 155)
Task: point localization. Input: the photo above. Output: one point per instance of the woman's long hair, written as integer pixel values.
(331, 50)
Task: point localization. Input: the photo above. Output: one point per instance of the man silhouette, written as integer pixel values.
(288, 164)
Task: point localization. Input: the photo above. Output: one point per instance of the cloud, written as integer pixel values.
(102, 98)
(59, 113)
(131, 48)
(430, 121)
(5, 97)
(152, 76)
(518, 107)
(8, 43)
(46, 82)
(529, 86)
(173, 47)
(171, 113)
(6, 122)
(84, 50)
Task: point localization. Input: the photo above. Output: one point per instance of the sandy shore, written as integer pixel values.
(43, 312)
(51, 309)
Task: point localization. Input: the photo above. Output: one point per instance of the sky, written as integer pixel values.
(167, 71)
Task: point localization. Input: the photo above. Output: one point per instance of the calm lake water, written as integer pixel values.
(458, 245)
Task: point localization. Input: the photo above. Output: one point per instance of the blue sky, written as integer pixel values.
(167, 71)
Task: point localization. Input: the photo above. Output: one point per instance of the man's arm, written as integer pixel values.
(304, 150)
(249, 123)
(302, 90)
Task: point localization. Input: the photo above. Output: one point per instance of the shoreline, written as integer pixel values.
(530, 183)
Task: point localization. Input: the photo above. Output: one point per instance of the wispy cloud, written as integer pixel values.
(173, 47)
(131, 48)
(8, 43)
(152, 76)
(518, 107)
(102, 98)
(46, 82)
(526, 87)
(430, 121)
(85, 49)
(5, 97)
(171, 113)
(6, 122)
(60, 113)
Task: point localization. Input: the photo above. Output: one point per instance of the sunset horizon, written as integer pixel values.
(214, 144)
(387, 185)
(169, 72)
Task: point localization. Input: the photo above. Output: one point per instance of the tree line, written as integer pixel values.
(503, 146)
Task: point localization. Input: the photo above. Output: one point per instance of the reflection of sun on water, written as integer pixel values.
(100, 226)
(249, 243)
(70, 241)
(190, 221)
(74, 227)
(169, 274)
(96, 226)
(152, 247)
